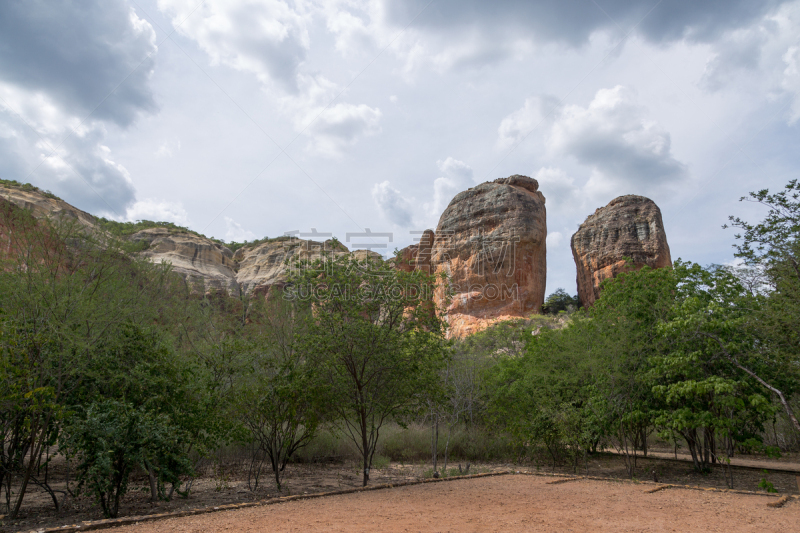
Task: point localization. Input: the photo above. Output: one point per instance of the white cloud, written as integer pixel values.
(168, 148)
(457, 177)
(158, 211)
(558, 188)
(760, 59)
(614, 137)
(61, 89)
(554, 239)
(268, 38)
(392, 204)
(791, 81)
(234, 232)
(536, 111)
(333, 128)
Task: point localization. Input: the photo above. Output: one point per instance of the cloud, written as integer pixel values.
(403, 210)
(392, 204)
(791, 81)
(234, 232)
(458, 176)
(82, 170)
(158, 211)
(614, 137)
(537, 110)
(268, 38)
(168, 148)
(558, 188)
(98, 54)
(333, 128)
(67, 73)
(554, 239)
(760, 59)
(573, 21)
(456, 34)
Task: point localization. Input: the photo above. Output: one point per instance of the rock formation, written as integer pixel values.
(491, 242)
(205, 264)
(40, 205)
(196, 258)
(263, 267)
(417, 256)
(629, 227)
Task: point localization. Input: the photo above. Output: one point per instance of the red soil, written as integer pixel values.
(504, 503)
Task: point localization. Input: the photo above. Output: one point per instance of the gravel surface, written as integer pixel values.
(504, 503)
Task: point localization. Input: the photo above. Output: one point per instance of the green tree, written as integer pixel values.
(280, 397)
(111, 439)
(375, 337)
(700, 380)
(772, 246)
(560, 301)
(64, 291)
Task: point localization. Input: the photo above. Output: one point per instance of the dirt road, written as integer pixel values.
(504, 503)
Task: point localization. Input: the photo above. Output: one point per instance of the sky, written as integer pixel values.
(250, 118)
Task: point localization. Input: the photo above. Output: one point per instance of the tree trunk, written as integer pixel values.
(151, 474)
(435, 443)
(365, 448)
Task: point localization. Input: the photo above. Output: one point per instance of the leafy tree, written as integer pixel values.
(535, 397)
(280, 400)
(375, 338)
(63, 293)
(111, 439)
(706, 394)
(560, 301)
(773, 246)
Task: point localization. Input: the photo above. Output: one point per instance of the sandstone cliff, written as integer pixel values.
(628, 227)
(206, 264)
(42, 206)
(262, 267)
(417, 256)
(201, 261)
(491, 242)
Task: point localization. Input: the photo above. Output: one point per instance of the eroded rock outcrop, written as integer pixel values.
(629, 227)
(263, 267)
(40, 205)
(491, 242)
(417, 256)
(198, 259)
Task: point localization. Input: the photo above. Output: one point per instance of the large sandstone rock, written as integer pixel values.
(264, 267)
(198, 259)
(206, 264)
(491, 242)
(628, 227)
(417, 256)
(43, 206)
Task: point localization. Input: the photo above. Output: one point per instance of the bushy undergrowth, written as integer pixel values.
(410, 445)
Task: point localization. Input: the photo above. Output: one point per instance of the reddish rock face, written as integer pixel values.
(417, 256)
(491, 242)
(628, 227)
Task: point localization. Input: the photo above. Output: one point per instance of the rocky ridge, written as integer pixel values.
(627, 234)
(205, 264)
(490, 241)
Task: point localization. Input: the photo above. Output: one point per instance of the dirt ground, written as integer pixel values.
(503, 503)
(226, 482)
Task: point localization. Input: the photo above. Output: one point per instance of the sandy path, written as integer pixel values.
(503, 503)
(786, 466)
